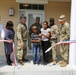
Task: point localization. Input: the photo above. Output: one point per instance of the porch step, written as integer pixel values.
(30, 69)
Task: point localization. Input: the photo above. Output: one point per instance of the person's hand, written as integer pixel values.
(53, 38)
(40, 35)
(43, 34)
(22, 45)
(11, 41)
(62, 41)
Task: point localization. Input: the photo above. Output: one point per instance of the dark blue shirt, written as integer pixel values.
(9, 34)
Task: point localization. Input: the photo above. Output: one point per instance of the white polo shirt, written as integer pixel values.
(45, 32)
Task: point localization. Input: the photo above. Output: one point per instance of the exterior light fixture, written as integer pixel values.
(26, 5)
(11, 11)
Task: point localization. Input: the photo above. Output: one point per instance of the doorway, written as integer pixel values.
(31, 16)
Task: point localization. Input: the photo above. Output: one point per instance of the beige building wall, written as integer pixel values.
(52, 9)
(4, 16)
(55, 9)
(4, 9)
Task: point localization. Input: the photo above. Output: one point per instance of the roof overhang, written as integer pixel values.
(33, 1)
(40, 1)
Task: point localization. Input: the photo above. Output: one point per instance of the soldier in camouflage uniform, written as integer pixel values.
(54, 32)
(64, 36)
(21, 33)
(39, 26)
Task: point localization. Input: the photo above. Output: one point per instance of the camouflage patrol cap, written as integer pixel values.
(37, 18)
(51, 19)
(23, 17)
(62, 17)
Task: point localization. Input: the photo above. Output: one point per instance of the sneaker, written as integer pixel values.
(38, 63)
(34, 63)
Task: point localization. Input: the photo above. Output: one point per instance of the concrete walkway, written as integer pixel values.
(30, 69)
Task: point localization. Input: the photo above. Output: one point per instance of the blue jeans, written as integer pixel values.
(36, 53)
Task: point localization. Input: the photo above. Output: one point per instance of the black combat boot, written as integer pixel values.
(20, 62)
(8, 61)
(25, 60)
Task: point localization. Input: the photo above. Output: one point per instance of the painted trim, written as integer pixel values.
(33, 1)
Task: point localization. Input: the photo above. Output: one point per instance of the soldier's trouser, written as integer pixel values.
(64, 51)
(21, 53)
(54, 51)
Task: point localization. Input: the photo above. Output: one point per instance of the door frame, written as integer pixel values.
(32, 12)
(27, 12)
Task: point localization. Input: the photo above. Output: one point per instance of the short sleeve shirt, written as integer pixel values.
(45, 32)
(35, 36)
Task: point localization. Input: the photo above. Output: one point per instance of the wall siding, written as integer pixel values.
(55, 9)
(4, 8)
(4, 17)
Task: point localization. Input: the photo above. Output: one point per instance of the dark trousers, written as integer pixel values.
(45, 46)
(8, 60)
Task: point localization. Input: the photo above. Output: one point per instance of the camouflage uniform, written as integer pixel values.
(54, 31)
(64, 35)
(21, 38)
(39, 26)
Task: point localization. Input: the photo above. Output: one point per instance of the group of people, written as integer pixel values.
(42, 37)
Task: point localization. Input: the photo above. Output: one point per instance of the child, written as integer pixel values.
(9, 35)
(36, 45)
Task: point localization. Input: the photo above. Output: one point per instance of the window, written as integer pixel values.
(21, 6)
(31, 6)
(35, 6)
(28, 7)
(41, 7)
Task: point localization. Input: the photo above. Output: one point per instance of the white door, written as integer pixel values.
(31, 16)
